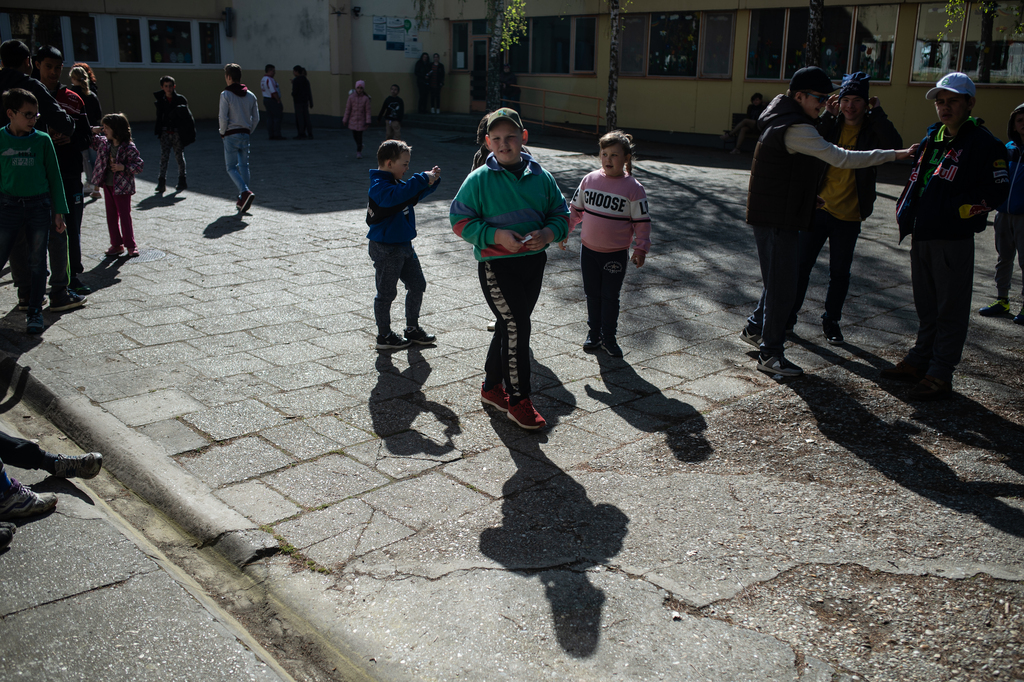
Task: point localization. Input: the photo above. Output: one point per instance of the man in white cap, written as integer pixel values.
(789, 160)
(959, 176)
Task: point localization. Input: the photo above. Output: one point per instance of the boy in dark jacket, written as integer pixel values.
(302, 98)
(392, 112)
(1009, 222)
(959, 176)
(389, 213)
(176, 129)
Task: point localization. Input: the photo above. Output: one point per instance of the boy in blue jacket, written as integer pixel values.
(1009, 222)
(389, 213)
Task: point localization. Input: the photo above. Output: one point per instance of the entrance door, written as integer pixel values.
(478, 76)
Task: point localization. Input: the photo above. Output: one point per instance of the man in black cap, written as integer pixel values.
(789, 161)
(852, 120)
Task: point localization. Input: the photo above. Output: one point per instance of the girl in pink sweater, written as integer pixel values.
(612, 206)
(358, 115)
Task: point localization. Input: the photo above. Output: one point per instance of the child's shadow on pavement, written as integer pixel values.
(225, 225)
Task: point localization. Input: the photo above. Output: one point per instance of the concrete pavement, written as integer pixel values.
(681, 518)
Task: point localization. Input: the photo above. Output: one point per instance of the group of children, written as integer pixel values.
(510, 209)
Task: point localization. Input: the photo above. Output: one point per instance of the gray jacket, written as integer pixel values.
(238, 111)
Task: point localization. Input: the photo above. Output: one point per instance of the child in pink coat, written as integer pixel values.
(117, 163)
(358, 115)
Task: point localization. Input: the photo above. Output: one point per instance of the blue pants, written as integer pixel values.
(394, 262)
(603, 274)
(236, 160)
(841, 236)
(31, 216)
(777, 253)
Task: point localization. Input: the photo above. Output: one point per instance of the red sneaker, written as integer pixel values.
(524, 414)
(495, 397)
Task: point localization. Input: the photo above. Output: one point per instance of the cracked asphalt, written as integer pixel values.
(685, 517)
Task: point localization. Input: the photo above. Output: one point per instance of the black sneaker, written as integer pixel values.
(778, 365)
(182, 184)
(417, 335)
(592, 342)
(34, 321)
(610, 347)
(833, 334)
(161, 185)
(65, 300)
(392, 342)
(79, 287)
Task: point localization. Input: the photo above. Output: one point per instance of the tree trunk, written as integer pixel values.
(812, 53)
(611, 115)
(495, 15)
(988, 10)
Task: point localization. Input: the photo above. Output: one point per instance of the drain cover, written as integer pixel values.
(145, 256)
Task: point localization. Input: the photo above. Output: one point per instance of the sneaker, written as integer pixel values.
(524, 414)
(34, 321)
(1000, 306)
(115, 251)
(133, 252)
(76, 285)
(778, 365)
(752, 338)
(21, 501)
(392, 342)
(246, 200)
(735, 150)
(833, 334)
(161, 185)
(903, 371)
(496, 397)
(359, 155)
(417, 335)
(23, 302)
(82, 466)
(65, 300)
(930, 388)
(610, 347)
(7, 531)
(592, 342)
(182, 184)
(1019, 317)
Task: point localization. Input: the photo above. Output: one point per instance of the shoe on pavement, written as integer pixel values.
(833, 334)
(613, 349)
(21, 501)
(182, 184)
(161, 186)
(930, 388)
(115, 251)
(245, 201)
(7, 531)
(1001, 306)
(524, 414)
(496, 397)
(133, 253)
(34, 321)
(82, 466)
(1019, 317)
(753, 338)
(417, 335)
(903, 371)
(492, 325)
(23, 301)
(76, 285)
(735, 150)
(359, 155)
(392, 341)
(65, 300)
(777, 364)
(592, 342)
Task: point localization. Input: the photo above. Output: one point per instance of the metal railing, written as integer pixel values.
(544, 108)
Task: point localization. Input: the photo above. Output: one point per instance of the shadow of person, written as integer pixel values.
(891, 451)
(225, 225)
(159, 201)
(396, 425)
(653, 411)
(105, 273)
(552, 530)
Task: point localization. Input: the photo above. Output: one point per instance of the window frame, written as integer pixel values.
(645, 50)
(960, 49)
(701, 52)
(573, 70)
(969, 13)
(895, 39)
(700, 38)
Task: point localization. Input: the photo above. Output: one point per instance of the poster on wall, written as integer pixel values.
(396, 33)
(413, 46)
(380, 28)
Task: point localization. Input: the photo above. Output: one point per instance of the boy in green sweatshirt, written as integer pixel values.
(31, 192)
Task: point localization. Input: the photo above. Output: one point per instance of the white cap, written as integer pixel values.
(957, 82)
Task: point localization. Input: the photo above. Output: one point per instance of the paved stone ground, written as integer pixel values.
(684, 517)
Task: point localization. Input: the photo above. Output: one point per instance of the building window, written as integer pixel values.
(129, 41)
(36, 30)
(170, 42)
(716, 61)
(84, 47)
(585, 37)
(835, 41)
(935, 56)
(460, 46)
(209, 43)
(549, 45)
(992, 53)
(519, 54)
(764, 49)
(874, 35)
(633, 45)
(674, 41)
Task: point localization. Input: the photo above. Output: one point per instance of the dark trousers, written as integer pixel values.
(942, 273)
(357, 135)
(1009, 233)
(511, 288)
(275, 112)
(65, 250)
(170, 140)
(394, 263)
(303, 124)
(777, 254)
(34, 217)
(435, 97)
(23, 454)
(841, 236)
(424, 97)
(603, 274)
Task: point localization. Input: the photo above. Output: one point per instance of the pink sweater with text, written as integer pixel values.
(613, 212)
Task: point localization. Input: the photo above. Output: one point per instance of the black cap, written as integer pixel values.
(811, 78)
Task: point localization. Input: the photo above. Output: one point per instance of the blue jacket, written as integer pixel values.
(1014, 203)
(389, 211)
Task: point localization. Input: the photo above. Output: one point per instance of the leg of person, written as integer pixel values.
(60, 265)
(65, 250)
(25, 454)
(842, 242)
(613, 273)
(424, 98)
(14, 246)
(415, 285)
(922, 280)
(124, 212)
(276, 118)
(387, 266)
(165, 155)
(590, 268)
(755, 323)
(179, 157)
(810, 243)
(300, 125)
(777, 251)
(18, 501)
(746, 127)
(18, 263)
(76, 204)
(435, 100)
(357, 135)
(1005, 251)
(113, 231)
(1017, 226)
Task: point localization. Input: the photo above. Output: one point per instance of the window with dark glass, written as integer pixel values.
(764, 51)
(586, 30)
(519, 54)
(718, 32)
(835, 41)
(170, 42)
(129, 41)
(633, 45)
(549, 44)
(460, 46)
(209, 43)
(874, 36)
(936, 47)
(83, 39)
(37, 29)
(672, 50)
(992, 53)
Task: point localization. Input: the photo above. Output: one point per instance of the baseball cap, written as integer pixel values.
(957, 82)
(504, 113)
(811, 78)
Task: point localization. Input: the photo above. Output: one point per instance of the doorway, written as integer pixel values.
(478, 76)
